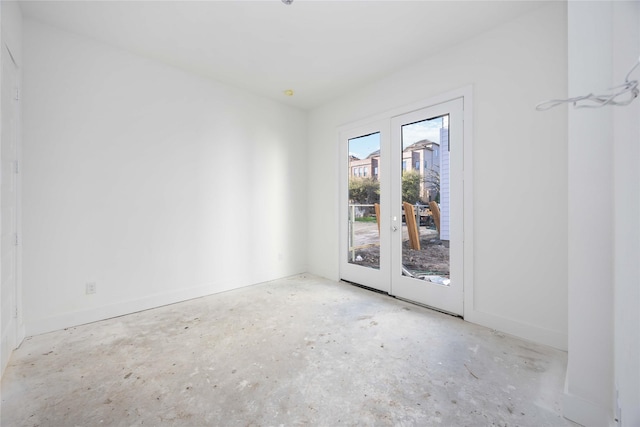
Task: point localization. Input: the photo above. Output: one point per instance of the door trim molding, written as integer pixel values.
(467, 201)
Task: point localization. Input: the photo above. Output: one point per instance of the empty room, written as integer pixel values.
(300, 212)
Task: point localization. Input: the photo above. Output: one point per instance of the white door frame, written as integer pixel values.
(14, 333)
(466, 93)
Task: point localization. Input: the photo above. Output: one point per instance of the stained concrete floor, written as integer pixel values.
(296, 351)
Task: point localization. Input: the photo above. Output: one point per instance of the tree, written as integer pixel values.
(432, 182)
(365, 191)
(411, 186)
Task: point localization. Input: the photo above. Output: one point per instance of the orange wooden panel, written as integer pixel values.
(412, 227)
(435, 212)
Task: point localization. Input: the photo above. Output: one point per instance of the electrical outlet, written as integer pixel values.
(91, 288)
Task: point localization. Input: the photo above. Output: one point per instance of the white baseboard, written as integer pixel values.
(585, 413)
(22, 333)
(95, 314)
(525, 331)
(7, 343)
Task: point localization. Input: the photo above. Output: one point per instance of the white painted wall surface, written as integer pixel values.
(11, 325)
(626, 194)
(604, 246)
(588, 395)
(131, 181)
(520, 156)
(626, 178)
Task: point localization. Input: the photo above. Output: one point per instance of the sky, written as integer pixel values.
(362, 146)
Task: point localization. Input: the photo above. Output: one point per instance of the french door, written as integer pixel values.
(401, 210)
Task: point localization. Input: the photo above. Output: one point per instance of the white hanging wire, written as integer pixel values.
(620, 95)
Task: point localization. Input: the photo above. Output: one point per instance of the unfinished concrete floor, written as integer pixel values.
(296, 351)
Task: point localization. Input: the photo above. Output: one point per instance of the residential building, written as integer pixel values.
(365, 168)
(423, 156)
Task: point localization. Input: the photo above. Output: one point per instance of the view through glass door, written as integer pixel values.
(364, 229)
(401, 206)
(364, 200)
(427, 190)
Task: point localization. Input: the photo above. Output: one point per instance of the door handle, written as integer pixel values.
(394, 228)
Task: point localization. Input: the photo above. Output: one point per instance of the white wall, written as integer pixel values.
(626, 194)
(520, 178)
(11, 36)
(588, 394)
(131, 182)
(604, 246)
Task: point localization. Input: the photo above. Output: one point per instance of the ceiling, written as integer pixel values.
(319, 49)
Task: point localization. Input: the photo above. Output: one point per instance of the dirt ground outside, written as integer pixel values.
(431, 259)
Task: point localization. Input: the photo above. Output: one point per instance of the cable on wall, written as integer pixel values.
(620, 95)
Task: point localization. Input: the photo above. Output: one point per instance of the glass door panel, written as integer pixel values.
(426, 190)
(364, 201)
(425, 231)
